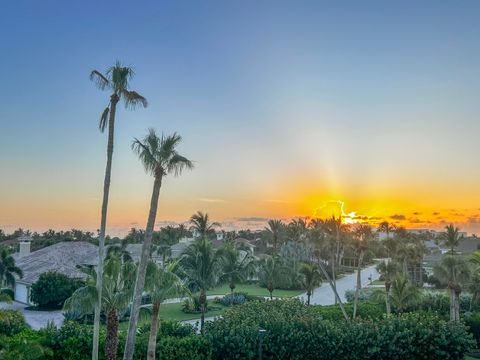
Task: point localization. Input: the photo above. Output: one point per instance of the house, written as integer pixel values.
(63, 257)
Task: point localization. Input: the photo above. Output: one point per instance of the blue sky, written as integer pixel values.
(284, 105)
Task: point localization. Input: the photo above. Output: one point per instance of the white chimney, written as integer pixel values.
(25, 242)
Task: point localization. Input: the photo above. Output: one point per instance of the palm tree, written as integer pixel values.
(454, 272)
(403, 293)
(363, 235)
(8, 270)
(311, 278)
(236, 264)
(200, 265)
(162, 283)
(387, 270)
(270, 271)
(160, 158)
(201, 223)
(275, 228)
(386, 227)
(117, 80)
(451, 237)
(118, 280)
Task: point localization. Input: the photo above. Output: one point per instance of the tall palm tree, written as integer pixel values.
(454, 272)
(200, 265)
(451, 237)
(311, 278)
(236, 264)
(118, 280)
(8, 270)
(386, 227)
(160, 158)
(201, 223)
(387, 270)
(363, 235)
(162, 283)
(117, 81)
(275, 228)
(403, 293)
(270, 270)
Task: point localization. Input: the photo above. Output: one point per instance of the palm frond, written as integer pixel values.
(99, 79)
(133, 99)
(102, 124)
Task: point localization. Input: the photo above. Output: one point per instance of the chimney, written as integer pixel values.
(25, 242)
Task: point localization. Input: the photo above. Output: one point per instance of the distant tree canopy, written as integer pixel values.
(52, 289)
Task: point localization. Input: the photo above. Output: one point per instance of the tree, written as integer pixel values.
(387, 271)
(363, 235)
(201, 223)
(454, 272)
(118, 280)
(403, 293)
(236, 264)
(275, 228)
(8, 270)
(386, 227)
(451, 237)
(200, 265)
(160, 158)
(117, 81)
(270, 272)
(52, 289)
(311, 278)
(162, 283)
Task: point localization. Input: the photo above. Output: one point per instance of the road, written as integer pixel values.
(324, 294)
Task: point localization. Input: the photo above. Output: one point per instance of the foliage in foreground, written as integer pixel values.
(11, 322)
(295, 331)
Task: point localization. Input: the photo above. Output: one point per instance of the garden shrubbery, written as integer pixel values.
(11, 322)
(295, 331)
(52, 289)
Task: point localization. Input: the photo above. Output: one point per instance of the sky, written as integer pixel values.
(288, 108)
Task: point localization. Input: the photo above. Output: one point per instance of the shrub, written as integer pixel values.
(473, 324)
(362, 296)
(296, 331)
(27, 344)
(233, 299)
(52, 289)
(8, 292)
(365, 310)
(11, 322)
(191, 305)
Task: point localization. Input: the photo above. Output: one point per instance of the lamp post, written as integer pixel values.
(261, 334)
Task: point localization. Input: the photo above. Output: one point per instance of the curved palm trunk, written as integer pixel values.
(359, 284)
(141, 271)
(309, 294)
(152, 340)
(103, 224)
(334, 288)
(111, 344)
(452, 305)
(203, 300)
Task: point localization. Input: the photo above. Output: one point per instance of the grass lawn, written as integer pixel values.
(253, 289)
(174, 312)
(378, 282)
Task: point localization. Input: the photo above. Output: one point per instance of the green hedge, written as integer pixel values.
(296, 331)
(11, 322)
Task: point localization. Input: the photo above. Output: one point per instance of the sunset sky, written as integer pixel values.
(288, 108)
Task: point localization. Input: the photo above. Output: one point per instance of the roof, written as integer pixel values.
(63, 257)
(135, 251)
(468, 245)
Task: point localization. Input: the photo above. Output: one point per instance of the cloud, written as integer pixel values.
(435, 213)
(398, 217)
(210, 200)
(276, 201)
(416, 213)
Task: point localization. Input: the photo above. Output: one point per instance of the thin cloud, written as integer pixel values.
(398, 217)
(211, 200)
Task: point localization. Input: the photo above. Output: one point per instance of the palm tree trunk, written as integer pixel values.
(452, 304)
(308, 297)
(337, 298)
(111, 344)
(152, 340)
(334, 277)
(457, 306)
(387, 297)
(103, 224)
(142, 268)
(359, 284)
(203, 300)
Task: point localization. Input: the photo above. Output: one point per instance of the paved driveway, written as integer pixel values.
(324, 294)
(36, 319)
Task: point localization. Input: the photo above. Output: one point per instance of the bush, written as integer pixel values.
(297, 331)
(11, 322)
(365, 310)
(473, 324)
(362, 296)
(233, 299)
(27, 344)
(52, 289)
(7, 291)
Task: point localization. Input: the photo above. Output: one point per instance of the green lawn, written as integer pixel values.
(378, 282)
(174, 312)
(253, 289)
